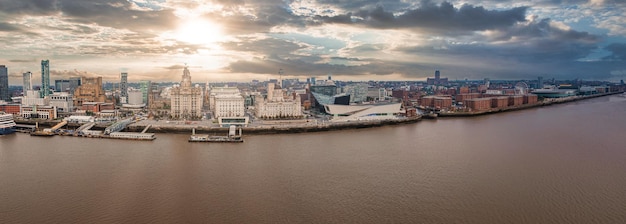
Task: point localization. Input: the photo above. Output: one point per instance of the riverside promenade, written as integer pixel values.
(265, 127)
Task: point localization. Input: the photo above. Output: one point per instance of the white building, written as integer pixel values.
(368, 112)
(63, 101)
(229, 105)
(220, 91)
(135, 97)
(278, 104)
(186, 100)
(32, 97)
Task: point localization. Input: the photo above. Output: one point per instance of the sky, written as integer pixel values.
(241, 40)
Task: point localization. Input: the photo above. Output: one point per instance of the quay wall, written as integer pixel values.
(283, 129)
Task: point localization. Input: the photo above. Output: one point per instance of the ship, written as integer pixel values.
(232, 137)
(7, 124)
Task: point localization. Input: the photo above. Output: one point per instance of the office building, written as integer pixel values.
(62, 85)
(4, 84)
(90, 90)
(62, 101)
(74, 83)
(45, 78)
(186, 100)
(124, 88)
(145, 86)
(27, 81)
(278, 104)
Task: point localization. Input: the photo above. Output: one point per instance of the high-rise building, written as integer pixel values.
(4, 83)
(540, 82)
(74, 83)
(186, 100)
(27, 81)
(45, 78)
(145, 86)
(124, 88)
(61, 85)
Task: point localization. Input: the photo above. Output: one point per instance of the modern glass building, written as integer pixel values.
(4, 84)
(27, 81)
(145, 90)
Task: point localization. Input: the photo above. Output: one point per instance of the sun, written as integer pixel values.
(198, 31)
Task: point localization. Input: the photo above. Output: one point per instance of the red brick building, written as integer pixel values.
(530, 99)
(516, 100)
(500, 102)
(478, 104)
(11, 108)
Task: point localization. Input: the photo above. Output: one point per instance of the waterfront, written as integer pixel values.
(557, 164)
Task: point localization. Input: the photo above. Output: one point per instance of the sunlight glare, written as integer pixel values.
(198, 31)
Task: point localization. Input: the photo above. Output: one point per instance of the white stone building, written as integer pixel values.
(228, 105)
(186, 100)
(63, 101)
(278, 105)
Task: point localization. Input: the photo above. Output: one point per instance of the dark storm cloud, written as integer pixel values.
(266, 16)
(8, 27)
(442, 18)
(31, 7)
(267, 46)
(533, 42)
(352, 5)
(117, 14)
(110, 13)
(618, 52)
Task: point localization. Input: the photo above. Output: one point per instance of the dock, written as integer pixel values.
(232, 137)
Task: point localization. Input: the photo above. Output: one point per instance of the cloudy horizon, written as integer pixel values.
(240, 40)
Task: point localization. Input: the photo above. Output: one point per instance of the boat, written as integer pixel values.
(7, 124)
(232, 136)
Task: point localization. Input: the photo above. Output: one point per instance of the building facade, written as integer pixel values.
(186, 100)
(90, 90)
(278, 105)
(4, 84)
(124, 87)
(62, 101)
(27, 81)
(45, 78)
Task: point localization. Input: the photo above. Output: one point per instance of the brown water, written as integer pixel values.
(558, 164)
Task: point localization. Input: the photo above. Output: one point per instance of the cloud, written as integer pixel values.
(618, 52)
(23, 60)
(443, 18)
(8, 27)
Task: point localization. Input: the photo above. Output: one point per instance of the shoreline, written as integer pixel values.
(526, 106)
(326, 126)
(284, 129)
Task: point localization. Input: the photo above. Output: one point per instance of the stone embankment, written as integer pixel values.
(275, 129)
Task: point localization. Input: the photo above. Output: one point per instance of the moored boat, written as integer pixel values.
(7, 124)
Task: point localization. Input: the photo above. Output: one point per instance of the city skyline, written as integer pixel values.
(367, 40)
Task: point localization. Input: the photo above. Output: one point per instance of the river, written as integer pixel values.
(559, 164)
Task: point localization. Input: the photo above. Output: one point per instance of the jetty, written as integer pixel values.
(232, 137)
